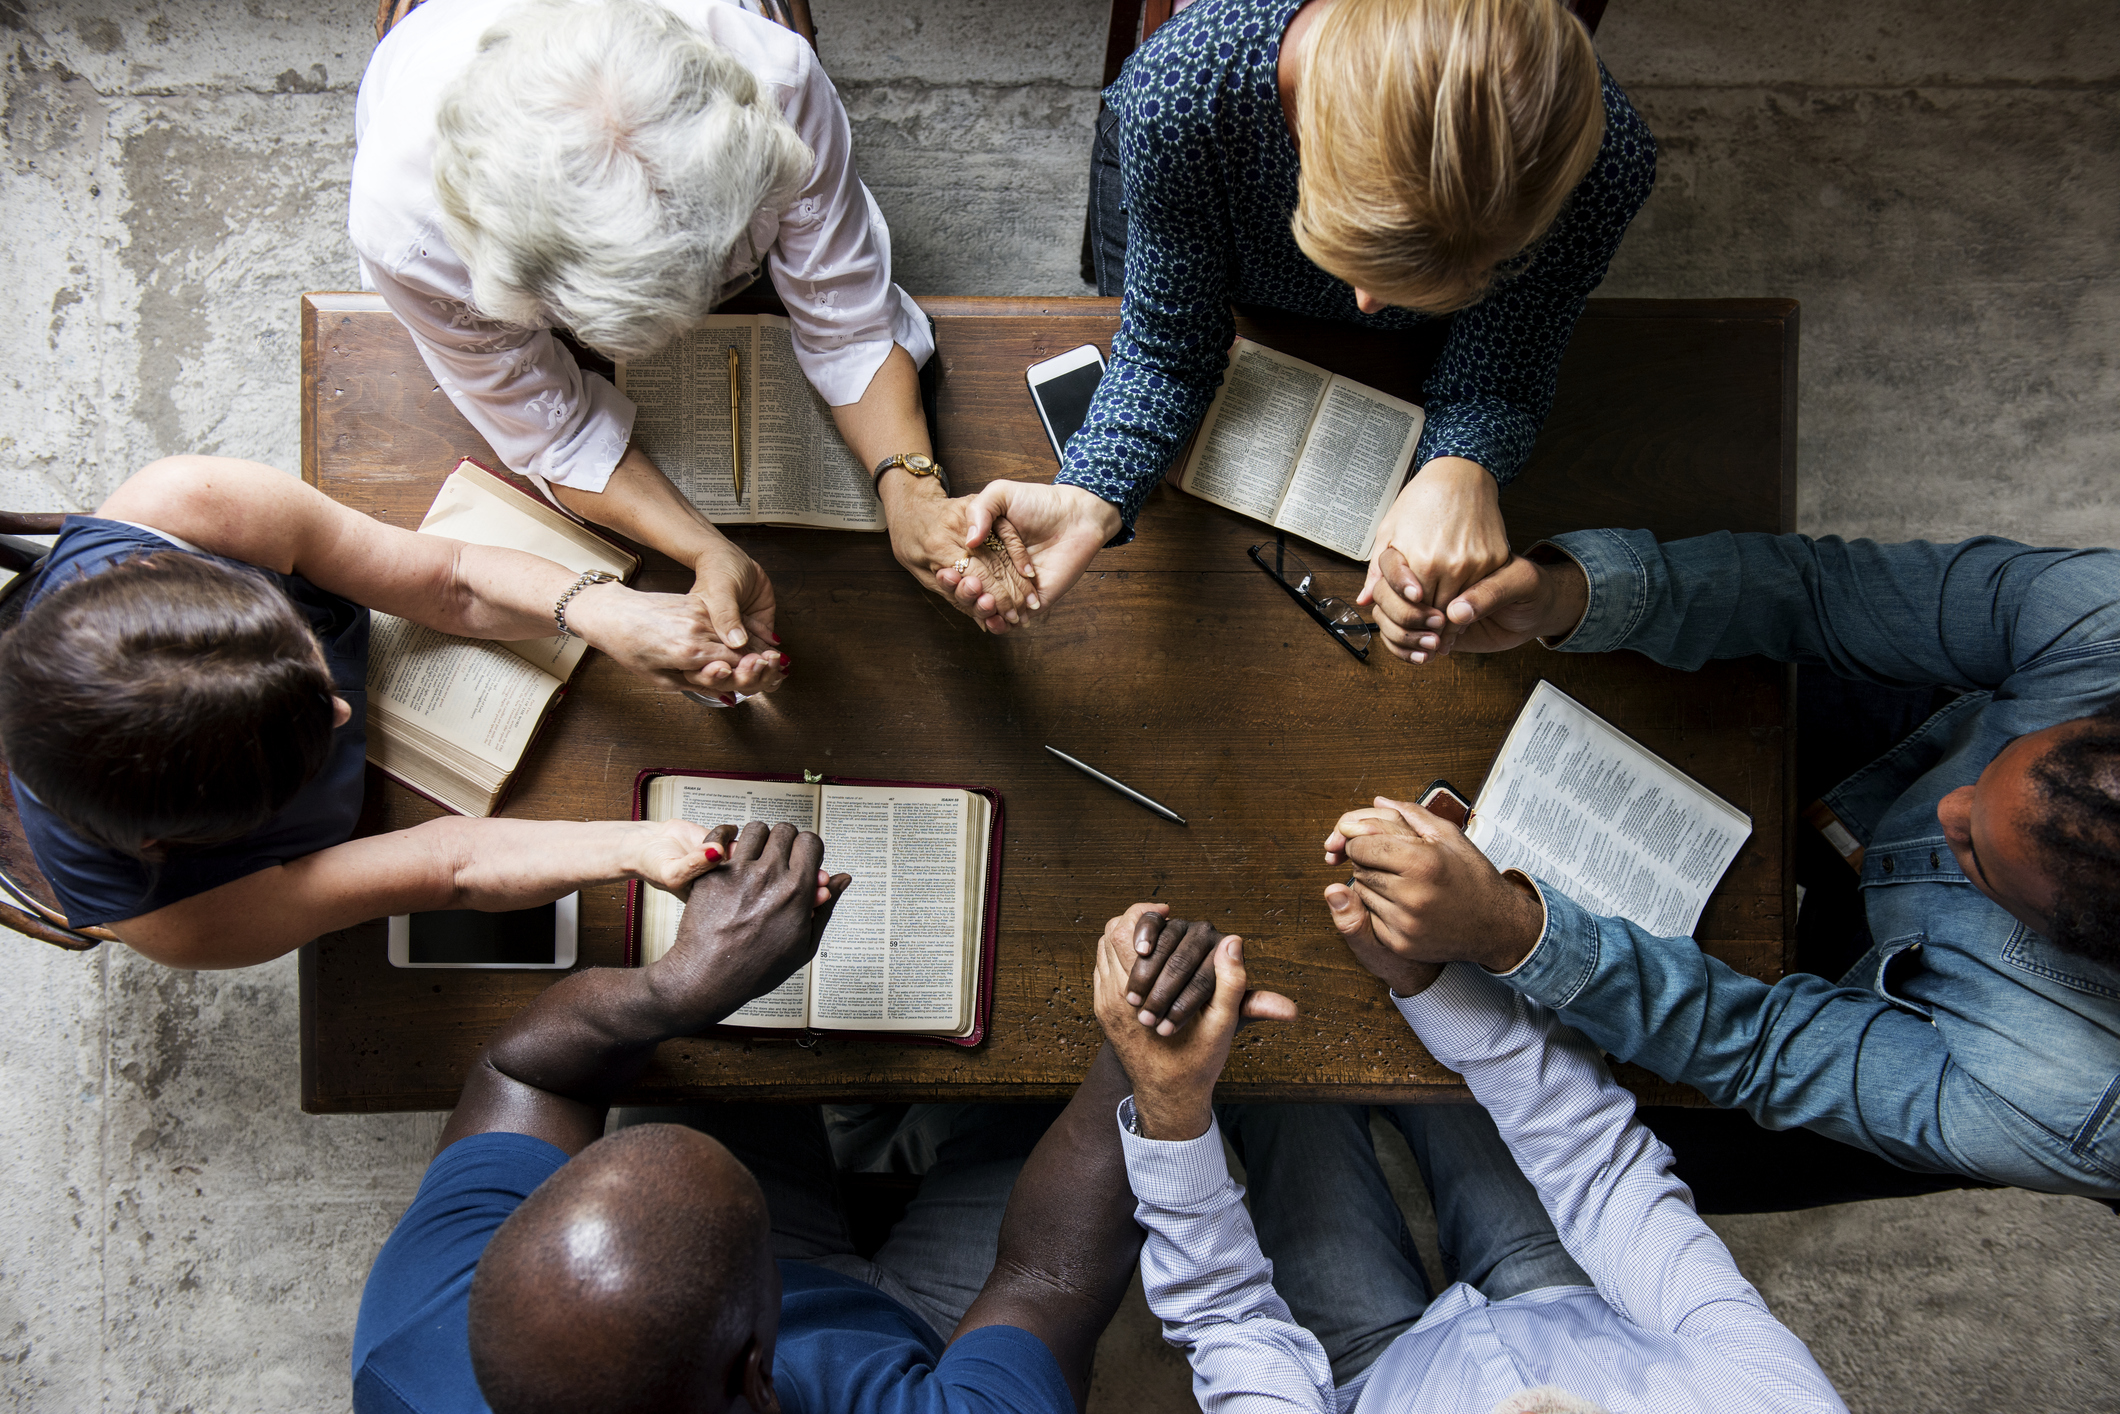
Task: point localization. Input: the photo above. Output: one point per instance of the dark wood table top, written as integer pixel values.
(1175, 665)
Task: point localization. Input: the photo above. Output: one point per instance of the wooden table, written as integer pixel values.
(1175, 665)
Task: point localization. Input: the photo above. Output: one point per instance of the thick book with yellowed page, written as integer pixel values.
(909, 953)
(1307, 451)
(452, 718)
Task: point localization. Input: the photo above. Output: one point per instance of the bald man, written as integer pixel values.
(544, 1267)
(1977, 1031)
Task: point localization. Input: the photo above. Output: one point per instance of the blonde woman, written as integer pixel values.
(1382, 163)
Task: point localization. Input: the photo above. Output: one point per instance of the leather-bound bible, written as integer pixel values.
(909, 953)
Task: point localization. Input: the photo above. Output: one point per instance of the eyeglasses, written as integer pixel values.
(1335, 615)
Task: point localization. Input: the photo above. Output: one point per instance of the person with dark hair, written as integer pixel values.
(1977, 1033)
(544, 1267)
(181, 708)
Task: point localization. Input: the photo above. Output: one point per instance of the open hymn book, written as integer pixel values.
(909, 951)
(1306, 451)
(452, 717)
(1586, 809)
(796, 469)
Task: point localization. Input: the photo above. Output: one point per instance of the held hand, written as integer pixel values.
(1169, 983)
(739, 604)
(671, 640)
(1173, 1076)
(929, 535)
(1430, 894)
(1404, 976)
(1522, 600)
(1443, 533)
(748, 924)
(1061, 528)
(670, 855)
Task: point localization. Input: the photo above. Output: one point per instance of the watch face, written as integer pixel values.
(919, 465)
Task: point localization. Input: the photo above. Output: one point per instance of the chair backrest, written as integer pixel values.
(1133, 21)
(27, 903)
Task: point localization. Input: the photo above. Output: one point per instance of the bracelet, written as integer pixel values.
(589, 577)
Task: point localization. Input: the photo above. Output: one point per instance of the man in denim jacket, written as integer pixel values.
(1980, 1035)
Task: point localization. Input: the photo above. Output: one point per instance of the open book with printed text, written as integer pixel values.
(1309, 452)
(1577, 803)
(909, 950)
(796, 468)
(453, 717)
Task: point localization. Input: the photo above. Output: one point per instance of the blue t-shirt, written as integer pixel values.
(844, 1347)
(97, 885)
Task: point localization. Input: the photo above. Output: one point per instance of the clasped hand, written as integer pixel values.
(1154, 973)
(1426, 896)
(1049, 535)
(750, 921)
(716, 639)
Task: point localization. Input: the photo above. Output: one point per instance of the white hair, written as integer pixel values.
(1546, 1399)
(598, 162)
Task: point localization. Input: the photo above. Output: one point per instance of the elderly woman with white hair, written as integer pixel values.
(617, 168)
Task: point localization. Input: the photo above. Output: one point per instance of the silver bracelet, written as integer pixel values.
(589, 577)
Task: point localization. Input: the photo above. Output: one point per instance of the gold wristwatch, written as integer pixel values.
(915, 465)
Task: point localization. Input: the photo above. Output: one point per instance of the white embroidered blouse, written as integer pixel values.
(828, 251)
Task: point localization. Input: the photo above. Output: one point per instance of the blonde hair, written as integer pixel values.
(597, 165)
(1439, 139)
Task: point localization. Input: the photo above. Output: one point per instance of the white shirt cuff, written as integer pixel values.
(1182, 1173)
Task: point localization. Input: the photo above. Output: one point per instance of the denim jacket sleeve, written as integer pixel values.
(1982, 614)
(1803, 1052)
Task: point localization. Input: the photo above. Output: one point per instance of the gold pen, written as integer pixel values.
(736, 420)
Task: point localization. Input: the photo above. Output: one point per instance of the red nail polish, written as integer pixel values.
(787, 664)
(776, 639)
(727, 699)
(713, 853)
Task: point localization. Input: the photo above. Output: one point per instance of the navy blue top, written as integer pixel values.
(97, 885)
(844, 1347)
(1210, 174)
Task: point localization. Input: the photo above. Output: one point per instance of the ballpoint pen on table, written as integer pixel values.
(1120, 786)
(736, 421)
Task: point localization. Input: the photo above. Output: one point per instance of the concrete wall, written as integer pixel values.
(1936, 182)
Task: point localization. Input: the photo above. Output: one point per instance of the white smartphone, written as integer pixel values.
(1062, 386)
(463, 937)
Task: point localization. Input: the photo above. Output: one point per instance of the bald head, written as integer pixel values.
(635, 1278)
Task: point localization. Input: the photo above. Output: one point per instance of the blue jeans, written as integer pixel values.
(1342, 1258)
(938, 1255)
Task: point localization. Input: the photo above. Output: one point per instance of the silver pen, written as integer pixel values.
(1120, 786)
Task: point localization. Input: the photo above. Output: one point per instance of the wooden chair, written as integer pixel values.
(27, 903)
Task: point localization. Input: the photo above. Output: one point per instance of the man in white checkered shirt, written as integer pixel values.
(1594, 1286)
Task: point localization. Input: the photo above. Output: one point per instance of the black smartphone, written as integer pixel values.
(1062, 387)
(541, 937)
(1441, 798)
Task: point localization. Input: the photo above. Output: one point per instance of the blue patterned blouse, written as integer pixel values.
(1210, 172)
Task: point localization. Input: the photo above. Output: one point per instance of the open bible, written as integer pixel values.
(1306, 451)
(1576, 802)
(909, 953)
(796, 468)
(453, 717)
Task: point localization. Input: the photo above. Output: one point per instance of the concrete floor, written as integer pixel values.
(1937, 183)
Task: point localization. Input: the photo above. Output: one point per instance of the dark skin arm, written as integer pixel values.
(1068, 1240)
(747, 926)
